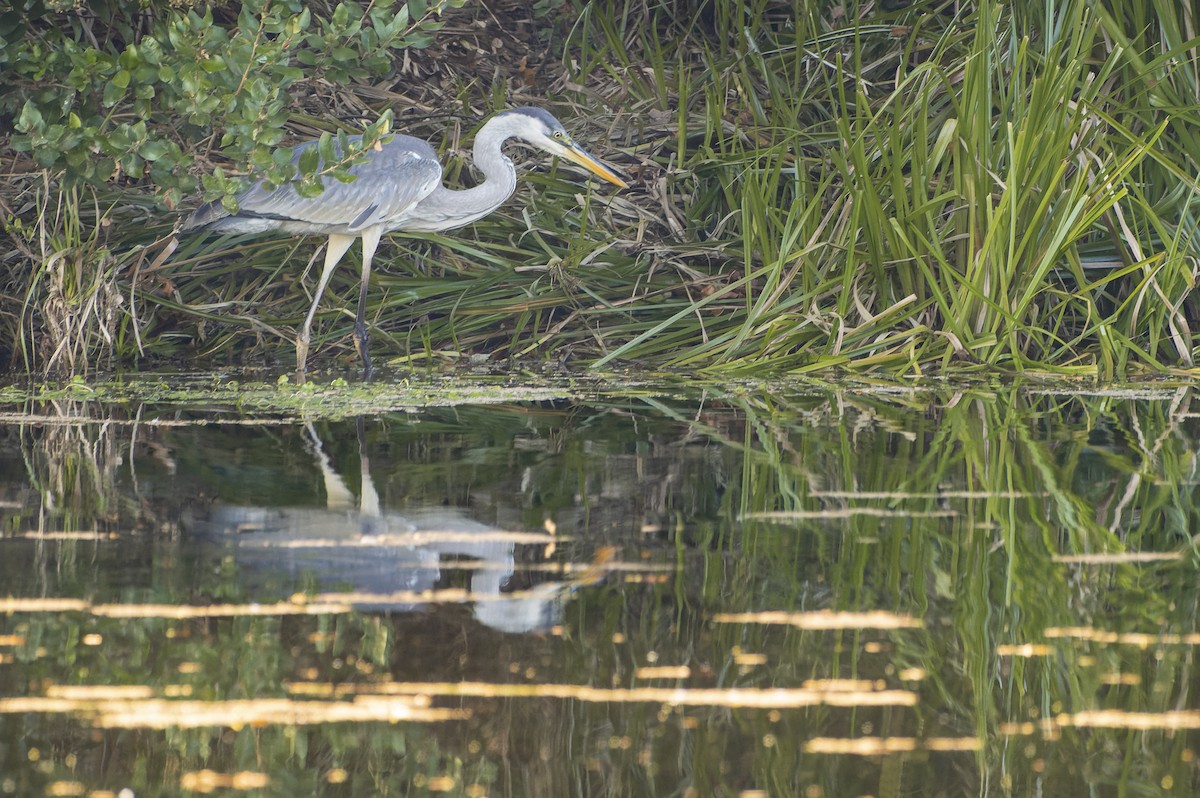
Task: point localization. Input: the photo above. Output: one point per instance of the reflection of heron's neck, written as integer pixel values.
(447, 208)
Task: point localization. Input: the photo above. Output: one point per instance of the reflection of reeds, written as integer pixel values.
(73, 465)
(769, 629)
(961, 511)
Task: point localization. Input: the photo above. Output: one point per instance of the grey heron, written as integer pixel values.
(397, 186)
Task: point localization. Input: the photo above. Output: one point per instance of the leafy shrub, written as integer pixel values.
(117, 91)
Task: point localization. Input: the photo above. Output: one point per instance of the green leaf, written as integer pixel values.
(132, 165)
(309, 188)
(30, 120)
(418, 40)
(325, 148)
(129, 59)
(309, 161)
(153, 150)
(150, 51)
(112, 94)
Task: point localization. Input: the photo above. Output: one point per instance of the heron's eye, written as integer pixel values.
(558, 134)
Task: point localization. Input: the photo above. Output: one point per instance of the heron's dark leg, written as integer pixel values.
(334, 250)
(370, 241)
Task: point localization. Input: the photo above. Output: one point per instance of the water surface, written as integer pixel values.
(776, 590)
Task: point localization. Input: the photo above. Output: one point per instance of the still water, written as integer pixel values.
(783, 590)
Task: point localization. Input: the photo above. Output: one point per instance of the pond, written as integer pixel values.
(754, 590)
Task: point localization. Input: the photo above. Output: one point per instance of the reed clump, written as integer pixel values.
(902, 188)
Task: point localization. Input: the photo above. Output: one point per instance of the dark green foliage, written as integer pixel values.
(106, 93)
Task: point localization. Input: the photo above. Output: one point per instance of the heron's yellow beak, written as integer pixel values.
(573, 152)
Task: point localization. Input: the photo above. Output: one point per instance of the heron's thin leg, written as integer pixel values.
(370, 239)
(334, 250)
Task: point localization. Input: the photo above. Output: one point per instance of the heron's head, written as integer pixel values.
(542, 130)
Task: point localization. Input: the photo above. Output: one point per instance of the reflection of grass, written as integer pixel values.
(975, 496)
(987, 576)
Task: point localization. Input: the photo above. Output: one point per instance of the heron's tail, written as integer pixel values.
(203, 216)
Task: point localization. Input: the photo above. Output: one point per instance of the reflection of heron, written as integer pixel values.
(397, 186)
(393, 562)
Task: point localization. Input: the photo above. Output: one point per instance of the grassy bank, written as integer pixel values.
(929, 188)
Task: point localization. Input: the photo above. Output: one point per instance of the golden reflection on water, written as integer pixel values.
(1118, 719)
(1050, 728)
(1026, 650)
(92, 535)
(879, 746)
(940, 494)
(136, 712)
(100, 692)
(764, 698)
(845, 512)
(748, 659)
(824, 619)
(175, 611)
(845, 685)
(206, 781)
(663, 672)
(320, 604)
(137, 707)
(1138, 639)
(424, 537)
(1112, 558)
(11, 605)
(181, 611)
(1126, 679)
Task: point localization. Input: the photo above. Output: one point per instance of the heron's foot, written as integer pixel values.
(301, 358)
(360, 344)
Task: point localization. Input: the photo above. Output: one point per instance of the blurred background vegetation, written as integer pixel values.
(903, 187)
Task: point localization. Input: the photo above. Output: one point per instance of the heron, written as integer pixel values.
(397, 186)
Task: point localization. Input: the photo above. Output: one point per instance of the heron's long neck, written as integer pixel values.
(500, 181)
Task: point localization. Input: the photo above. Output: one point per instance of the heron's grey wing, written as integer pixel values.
(392, 179)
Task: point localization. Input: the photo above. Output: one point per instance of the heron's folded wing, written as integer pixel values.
(391, 180)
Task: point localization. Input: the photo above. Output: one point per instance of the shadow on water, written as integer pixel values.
(797, 591)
